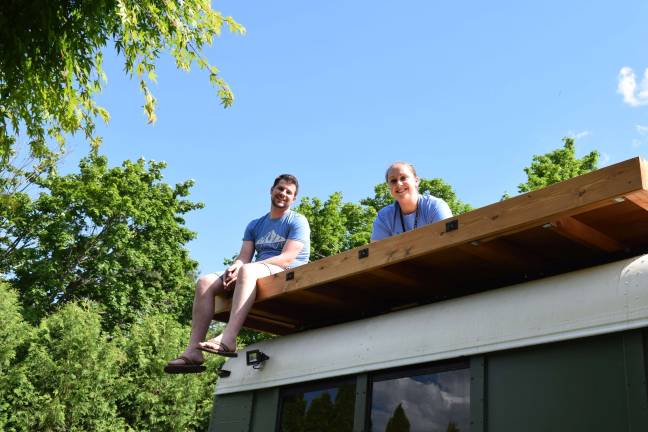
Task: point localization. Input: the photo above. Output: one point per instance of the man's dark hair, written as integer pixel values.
(288, 178)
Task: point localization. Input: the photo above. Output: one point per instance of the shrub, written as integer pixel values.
(152, 400)
(69, 379)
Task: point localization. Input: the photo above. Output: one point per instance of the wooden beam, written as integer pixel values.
(500, 252)
(568, 198)
(225, 305)
(584, 234)
(256, 316)
(269, 326)
(639, 198)
(221, 305)
(402, 278)
(323, 299)
(275, 315)
(259, 320)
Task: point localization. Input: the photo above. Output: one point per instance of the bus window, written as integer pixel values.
(435, 399)
(324, 406)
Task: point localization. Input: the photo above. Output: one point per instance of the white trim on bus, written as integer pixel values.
(598, 300)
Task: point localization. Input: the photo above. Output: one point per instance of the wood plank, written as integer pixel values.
(577, 231)
(263, 315)
(580, 194)
(616, 220)
(643, 167)
(222, 304)
(433, 272)
(500, 252)
(414, 269)
(401, 279)
(297, 308)
(274, 322)
(322, 299)
(269, 326)
(639, 198)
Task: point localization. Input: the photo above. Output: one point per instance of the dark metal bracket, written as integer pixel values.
(223, 373)
(290, 276)
(453, 225)
(363, 253)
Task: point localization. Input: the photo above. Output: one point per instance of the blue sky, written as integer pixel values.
(334, 91)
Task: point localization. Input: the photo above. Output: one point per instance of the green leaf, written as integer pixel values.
(557, 165)
(51, 68)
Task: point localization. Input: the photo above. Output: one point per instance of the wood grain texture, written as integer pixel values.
(575, 230)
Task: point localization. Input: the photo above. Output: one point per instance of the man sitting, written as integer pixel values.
(281, 239)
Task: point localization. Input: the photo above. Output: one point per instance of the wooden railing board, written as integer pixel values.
(531, 211)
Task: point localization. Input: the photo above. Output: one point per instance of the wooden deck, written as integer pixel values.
(585, 221)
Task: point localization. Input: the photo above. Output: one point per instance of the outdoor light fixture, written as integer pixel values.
(223, 373)
(255, 358)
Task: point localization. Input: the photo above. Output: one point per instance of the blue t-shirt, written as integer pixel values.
(388, 223)
(269, 236)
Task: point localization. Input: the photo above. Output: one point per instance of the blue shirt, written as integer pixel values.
(269, 236)
(388, 223)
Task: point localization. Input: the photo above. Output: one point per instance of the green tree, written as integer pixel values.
(343, 409)
(556, 166)
(436, 187)
(149, 399)
(112, 235)
(452, 427)
(14, 331)
(398, 421)
(69, 378)
(336, 226)
(14, 334)
(292, 414)
(358, 223)
(51, 61)
(319, 414)
(68, 374)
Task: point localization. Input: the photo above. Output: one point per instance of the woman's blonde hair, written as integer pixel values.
(407, 164)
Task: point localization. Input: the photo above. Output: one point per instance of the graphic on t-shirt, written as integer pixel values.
(271, 237)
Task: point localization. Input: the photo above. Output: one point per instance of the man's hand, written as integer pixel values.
(230, 275)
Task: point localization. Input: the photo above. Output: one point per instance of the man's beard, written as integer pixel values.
(278, 203)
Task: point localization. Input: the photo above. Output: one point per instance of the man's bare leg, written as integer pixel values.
(207, 287)
(242, 301)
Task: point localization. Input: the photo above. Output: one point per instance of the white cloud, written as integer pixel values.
(633, 94)
(579, 135)
(428, 404)
(643, 136)
(605, 159)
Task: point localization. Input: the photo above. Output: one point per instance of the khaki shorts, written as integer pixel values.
(272, 269)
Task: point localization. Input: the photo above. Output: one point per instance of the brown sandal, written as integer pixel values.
(189, 366)
(223, 350)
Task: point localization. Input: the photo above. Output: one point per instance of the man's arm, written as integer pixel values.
(288, 254)
(246, 253)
